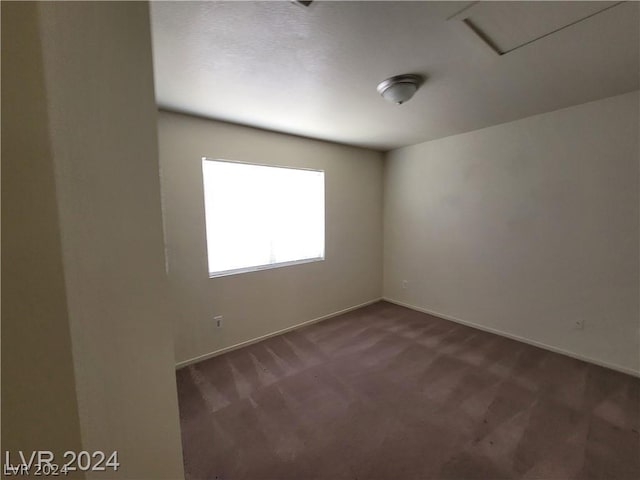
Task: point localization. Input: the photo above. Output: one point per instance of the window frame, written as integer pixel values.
(268, 266)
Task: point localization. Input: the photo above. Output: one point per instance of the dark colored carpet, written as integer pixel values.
(388, 393)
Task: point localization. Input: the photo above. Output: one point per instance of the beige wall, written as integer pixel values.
(259, 303)
(99, 114)
(39, 408)
(525, 228)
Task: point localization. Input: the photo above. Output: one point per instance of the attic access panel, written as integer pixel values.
(507, 26)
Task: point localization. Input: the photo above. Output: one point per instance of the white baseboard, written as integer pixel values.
(551, 348)
(215, 353)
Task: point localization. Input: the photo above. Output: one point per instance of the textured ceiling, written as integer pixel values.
(313, 71)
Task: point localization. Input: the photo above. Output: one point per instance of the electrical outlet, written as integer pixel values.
(405, 284)
(218, 319)
(578, 324)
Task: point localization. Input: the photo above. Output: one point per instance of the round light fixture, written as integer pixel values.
(400, 88)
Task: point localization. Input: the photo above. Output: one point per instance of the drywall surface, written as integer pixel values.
(39, 408)
(525, 228)
(101, 106)
(258, 303)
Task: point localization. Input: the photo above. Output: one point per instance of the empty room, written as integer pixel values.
(321, 240)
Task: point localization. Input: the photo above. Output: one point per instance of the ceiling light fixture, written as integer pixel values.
(400, 88)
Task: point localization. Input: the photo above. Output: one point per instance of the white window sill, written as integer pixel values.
(226, 273)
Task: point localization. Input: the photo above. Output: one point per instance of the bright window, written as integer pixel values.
(260, 216)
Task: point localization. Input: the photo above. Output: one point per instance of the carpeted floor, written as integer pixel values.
(388, 393)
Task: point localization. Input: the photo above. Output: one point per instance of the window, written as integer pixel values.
(260, 216)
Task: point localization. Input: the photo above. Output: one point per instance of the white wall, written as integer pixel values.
(260, 303)
(525, 228)
(101, 115)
